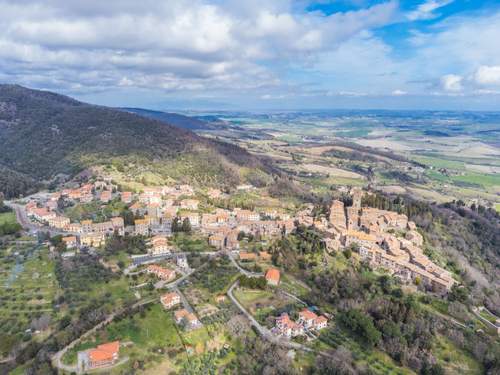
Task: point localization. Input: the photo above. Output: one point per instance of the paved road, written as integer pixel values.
(476, 310)
(241, 269)
(27, 224)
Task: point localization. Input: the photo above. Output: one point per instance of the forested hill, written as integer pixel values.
(44, 134)
(176, 119)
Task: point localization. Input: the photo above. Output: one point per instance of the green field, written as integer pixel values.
(7, 218)
(28, 287)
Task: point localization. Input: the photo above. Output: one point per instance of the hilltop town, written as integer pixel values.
(382, 238)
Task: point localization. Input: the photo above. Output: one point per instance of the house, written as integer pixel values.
(217, 240)
(136, 208)
(102, 356)
(221, 298)
(118, 225)
(70, 242)
(179, 315)
(126, 196)
(51, 205)
(159, 245)
(247, 215)
(142, 227)
(74, 228)
(169, 300)
(87, 226)
(92, 239)
(58, 222)
(105, 196)
(273, 276)
(161, 272)
(189, 320)
(287, 327)
(182, 261)
(307, 318)
(320, 322)
(264, 256)
(42, 214)
(247, 257)
(192, 321)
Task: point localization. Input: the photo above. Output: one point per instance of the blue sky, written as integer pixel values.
(236, 54)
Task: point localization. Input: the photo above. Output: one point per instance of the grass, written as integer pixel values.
(440, 163)
(292, 285)
(454, 359)
(191, 242)
(8, 218)
(483, 179)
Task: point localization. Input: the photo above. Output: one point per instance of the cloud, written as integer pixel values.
(398, 93)
(487, 75)
(425, 11)
(452, 83)
(174, 45)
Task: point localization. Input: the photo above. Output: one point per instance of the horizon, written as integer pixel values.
(254, 56)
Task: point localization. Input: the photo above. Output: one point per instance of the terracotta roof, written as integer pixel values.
(247, 256)
(273, 274)
(307, 314)
(104, 352)
(168, 298)
(320, 319)
(180, 314)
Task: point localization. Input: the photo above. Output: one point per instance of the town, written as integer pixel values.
(384, 240)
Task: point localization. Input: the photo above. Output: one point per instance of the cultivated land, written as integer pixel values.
(432, 156)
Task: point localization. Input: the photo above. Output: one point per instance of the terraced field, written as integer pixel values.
(28, 287)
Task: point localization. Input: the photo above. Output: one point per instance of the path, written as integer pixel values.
(290, 295)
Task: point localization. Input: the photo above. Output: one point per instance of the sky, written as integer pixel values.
(258, 54)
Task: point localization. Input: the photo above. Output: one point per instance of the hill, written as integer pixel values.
(45, 135)
(181, 121)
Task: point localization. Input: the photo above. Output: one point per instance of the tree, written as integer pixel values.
(186, 225)
(176, 227)
(360, 324)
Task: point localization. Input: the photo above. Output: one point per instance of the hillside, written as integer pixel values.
(181, 121)
(45, 134)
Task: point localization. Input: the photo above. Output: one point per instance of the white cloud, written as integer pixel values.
(487, 75)
(399, 93)
(426, 10)
(174, 45)
(452, 83)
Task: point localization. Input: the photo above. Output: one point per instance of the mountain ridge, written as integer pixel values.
(45, 134)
